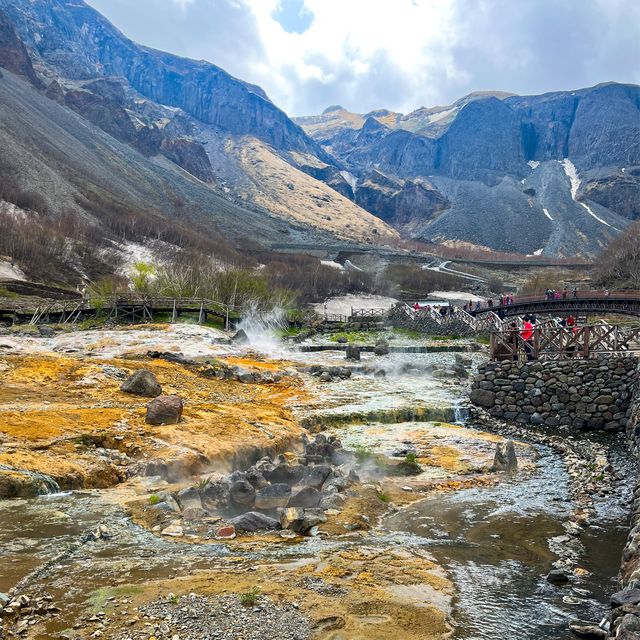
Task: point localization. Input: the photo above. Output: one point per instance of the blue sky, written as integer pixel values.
(396, 54)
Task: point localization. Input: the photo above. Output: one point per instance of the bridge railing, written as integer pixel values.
(579, 295)
(368, 313)
(551, 342)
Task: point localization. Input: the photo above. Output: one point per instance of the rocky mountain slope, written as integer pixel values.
(149, 129)
(555, 174)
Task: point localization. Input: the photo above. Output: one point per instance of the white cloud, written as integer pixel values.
(397, 54)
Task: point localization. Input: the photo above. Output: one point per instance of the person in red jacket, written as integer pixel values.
(527, 336)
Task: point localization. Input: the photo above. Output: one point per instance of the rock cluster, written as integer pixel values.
(624, 618)
(19, 613)
(329, 373)
(273, 494)
(585, 394)
(225, 617)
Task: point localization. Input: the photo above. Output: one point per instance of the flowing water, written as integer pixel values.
(491, 541)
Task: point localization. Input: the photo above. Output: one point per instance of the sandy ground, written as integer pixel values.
(344, 304)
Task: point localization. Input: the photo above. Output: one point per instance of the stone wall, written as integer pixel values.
(576, 394)
(624, 618)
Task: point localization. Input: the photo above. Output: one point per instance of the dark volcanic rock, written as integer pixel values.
(254, 521)
(142, 383)
(242, 493)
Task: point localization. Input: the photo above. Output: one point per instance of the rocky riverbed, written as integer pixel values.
(283, 502)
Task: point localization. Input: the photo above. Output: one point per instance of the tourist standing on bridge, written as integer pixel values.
(575, 292)
(565, 292)
(527, 337)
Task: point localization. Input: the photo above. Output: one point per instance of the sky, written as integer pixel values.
(393, 54)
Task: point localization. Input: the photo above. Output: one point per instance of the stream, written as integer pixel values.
(492, 541)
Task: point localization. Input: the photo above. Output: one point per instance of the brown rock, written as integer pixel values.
(164, 410)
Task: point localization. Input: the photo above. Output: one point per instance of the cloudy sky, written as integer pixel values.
(396, 54)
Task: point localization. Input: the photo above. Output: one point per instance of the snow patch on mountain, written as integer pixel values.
(572, 174)
(351, 179)
(546, 213)
(534, 164)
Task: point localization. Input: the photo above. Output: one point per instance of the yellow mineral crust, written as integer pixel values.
(55, 410)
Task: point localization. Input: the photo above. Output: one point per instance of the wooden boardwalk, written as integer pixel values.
(121, 308)
(550, 342)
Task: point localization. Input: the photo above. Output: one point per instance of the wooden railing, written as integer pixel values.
(550, 342)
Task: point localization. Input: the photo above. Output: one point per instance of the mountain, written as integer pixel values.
(92, 121)
(555, 174)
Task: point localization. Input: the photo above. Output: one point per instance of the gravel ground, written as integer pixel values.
(196, 617)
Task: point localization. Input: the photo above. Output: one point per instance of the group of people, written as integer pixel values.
(524, 337)
(552, 294)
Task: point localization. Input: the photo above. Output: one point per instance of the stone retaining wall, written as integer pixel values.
(577, 394)
(625, 614)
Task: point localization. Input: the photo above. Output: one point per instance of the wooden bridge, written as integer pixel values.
(551, 342)
(120, 308)
(583, 303)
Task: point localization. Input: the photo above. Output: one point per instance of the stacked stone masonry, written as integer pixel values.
(578, 394)
(585, 395)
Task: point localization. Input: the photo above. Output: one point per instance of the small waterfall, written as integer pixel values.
(260, 327)
(460, 413)
(44, 484)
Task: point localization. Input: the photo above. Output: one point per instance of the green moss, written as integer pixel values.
(154, 499)
(99, 598)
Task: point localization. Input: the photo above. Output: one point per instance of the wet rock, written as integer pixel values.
(626, 596)
(325, 376)
(505, 457)
(240, 337)
(254, 521)
(558, 576)
(242, 493)
(381, 348)
(353, 352)
(142, 383)
(587, 630)
(273, 496)
(306, 498)
(46, 331)
(164, 410)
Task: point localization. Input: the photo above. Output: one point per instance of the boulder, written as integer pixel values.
(189, 498)
(353, 352)
(558, 576)
(381, 348)
(626, 596)
(142, 383)
(240, 337)
(505, 457)
(316, 476)
(306, 498)
(164, 410)
(273, 496)
(483, 398)
(289, 474)
(301, 520)
(587, 630)
(254, 521)
(194, 514)
(242, 493)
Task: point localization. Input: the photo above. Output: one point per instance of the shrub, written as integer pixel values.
(250, 598)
